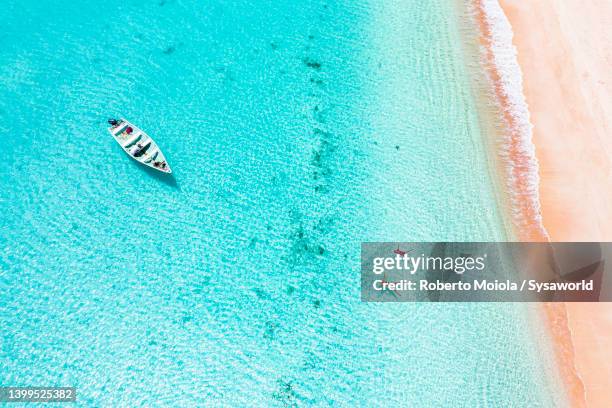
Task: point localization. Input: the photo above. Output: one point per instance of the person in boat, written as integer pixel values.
(129, 130)
(138, 149)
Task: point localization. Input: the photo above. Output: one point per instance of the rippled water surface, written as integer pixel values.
(295, 130)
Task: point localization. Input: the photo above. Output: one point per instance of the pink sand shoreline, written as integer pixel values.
(565, 53)
(519, 169)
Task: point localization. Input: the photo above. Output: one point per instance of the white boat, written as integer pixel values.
(138, 145)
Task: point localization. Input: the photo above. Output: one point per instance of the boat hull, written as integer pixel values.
(139, 146)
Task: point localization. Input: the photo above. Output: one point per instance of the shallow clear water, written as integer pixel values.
(296, 130)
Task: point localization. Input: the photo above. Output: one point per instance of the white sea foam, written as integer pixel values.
(518, 150)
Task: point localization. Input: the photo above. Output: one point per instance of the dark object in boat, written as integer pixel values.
(113, 122)
(141, 149)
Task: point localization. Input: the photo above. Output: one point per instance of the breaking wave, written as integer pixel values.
(520, 166)
(517, 152)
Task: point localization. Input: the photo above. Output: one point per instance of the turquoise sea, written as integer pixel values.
(295, 130)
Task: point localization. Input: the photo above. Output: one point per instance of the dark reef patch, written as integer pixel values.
(304, 246)
(261, 294)
(316, 158)
(311, 63)
(286, 394)
(318, 82)
(270, 330)
(322, 157)
(319, 114)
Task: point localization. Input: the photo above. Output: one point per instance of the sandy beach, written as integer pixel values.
(565, 53)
